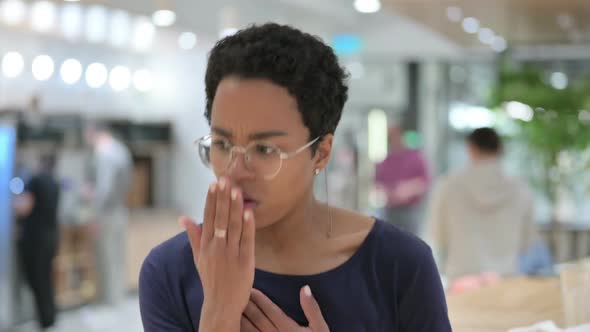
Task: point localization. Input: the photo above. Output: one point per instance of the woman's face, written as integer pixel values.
(257, 112)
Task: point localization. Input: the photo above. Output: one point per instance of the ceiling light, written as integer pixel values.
(96, 18)
(455, 14)
(12, 12)
(187, 40)
(486, 36)
(71, 20)
(12, 64)
(71, 71)
(164, 18)
(367, 6)
(120, 78)
(96, 75)
(143, 80)
(42, 67)
(43, 15)
(499, 44)
(470, 25)
(143, 33)
(120, 28)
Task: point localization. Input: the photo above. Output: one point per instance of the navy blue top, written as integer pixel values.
(391, 283)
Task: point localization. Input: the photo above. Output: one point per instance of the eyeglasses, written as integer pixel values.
(263, 159)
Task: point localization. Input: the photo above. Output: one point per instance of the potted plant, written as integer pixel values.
(553, 120)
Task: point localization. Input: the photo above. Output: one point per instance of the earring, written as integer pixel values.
(317, 171)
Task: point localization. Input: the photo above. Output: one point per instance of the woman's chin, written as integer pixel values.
(262, 221)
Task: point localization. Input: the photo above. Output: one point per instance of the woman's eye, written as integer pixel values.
(221, 144)
(265, 149)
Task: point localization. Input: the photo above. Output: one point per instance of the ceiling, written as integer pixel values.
(406, 28)
(520, 22)
(383, 33)
(207, 17)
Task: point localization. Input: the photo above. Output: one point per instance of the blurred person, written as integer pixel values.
(269, 256)
(480, 219)
(111, 177)
(403, 179)
(37, 242)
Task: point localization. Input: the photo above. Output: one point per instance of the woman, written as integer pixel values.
(269, 257)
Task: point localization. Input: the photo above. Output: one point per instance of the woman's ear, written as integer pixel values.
(324, 152)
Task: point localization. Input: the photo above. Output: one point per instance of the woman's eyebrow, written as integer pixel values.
(267, 134)
(221, 132)
(255, 136)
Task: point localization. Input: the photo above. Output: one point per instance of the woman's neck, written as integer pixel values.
(294, 234)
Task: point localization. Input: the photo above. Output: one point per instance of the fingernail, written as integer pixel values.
(222, 183)
(307, 291)
(212, 187)
(248, 215)
(234, 194)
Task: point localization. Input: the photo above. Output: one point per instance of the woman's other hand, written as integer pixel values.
(262, 315)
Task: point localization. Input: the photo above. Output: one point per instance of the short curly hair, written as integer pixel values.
(288, 57)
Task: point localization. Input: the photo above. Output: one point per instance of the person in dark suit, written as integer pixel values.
(37, 242)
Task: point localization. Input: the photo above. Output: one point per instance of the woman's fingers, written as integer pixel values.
(247, 326)
(312, 311)
(248, 234)
(258, 318)
(209, 214)
(222, 211)
(194, 233)
(226, 276)
(236, 220)
(269, 309)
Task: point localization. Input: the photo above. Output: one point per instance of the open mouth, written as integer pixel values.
(250, 204)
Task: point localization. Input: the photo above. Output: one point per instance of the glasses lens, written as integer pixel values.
(220, 154)
(263, 159)
(205, 151)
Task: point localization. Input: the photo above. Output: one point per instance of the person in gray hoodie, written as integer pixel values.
(480, 219)
(111, 179)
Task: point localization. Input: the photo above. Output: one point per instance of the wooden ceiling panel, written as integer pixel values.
(519, 21)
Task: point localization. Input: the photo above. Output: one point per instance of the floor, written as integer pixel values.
(93, 318)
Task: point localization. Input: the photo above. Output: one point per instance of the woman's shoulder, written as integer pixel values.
(399, 245)
(168, 257)
(400, 258)
(386, 242)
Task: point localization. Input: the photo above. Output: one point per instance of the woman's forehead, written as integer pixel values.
(254, 104)
(263, 94)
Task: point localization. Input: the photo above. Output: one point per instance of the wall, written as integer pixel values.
(7, 139)
(177, 97)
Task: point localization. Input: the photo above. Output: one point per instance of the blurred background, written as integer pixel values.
(130, 73)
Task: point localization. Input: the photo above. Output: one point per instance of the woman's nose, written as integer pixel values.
(238, 167)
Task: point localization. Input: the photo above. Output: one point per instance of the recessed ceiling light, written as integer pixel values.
(470, 25)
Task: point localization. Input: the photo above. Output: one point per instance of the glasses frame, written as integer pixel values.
(243, 150)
